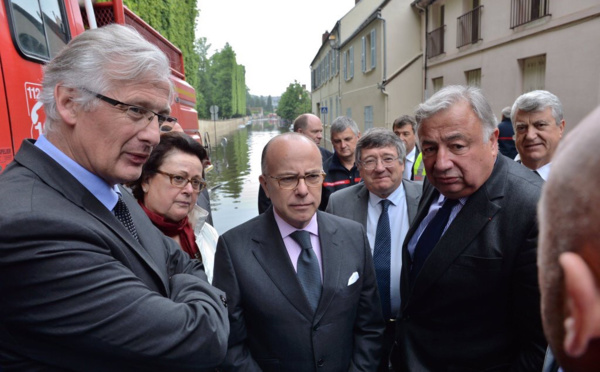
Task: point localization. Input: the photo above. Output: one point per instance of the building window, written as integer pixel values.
(40, 30)
(534, 73)
(438, 83)
(351, 65)
(525, 11)
(368, 117)
(373, 48)
(469, 26)
(474, 78)
(345, 64)
(435, 38)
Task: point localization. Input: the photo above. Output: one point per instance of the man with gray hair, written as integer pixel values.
(537, 119)
(470, 299)
(385, 204)
(340, 167)
(87, 282)
(311, 126)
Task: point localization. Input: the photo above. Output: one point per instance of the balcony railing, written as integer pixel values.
(469, 27)
(525, 11)
(435, 42)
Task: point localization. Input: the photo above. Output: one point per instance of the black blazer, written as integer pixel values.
(475, 305)
(272, 325)
(80, 293)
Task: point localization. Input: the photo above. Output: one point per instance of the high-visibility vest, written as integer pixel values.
(419, 168)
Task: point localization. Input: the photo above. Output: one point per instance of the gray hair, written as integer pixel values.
(376, 138)
(403, 120)
(453, 94)
(341, 123)
(506, 112)
(538, 100)
(99, 60)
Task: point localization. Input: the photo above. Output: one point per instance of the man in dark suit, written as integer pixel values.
(380, 158)
(301, 285)
(404, 128)
(569, 257)
(506, 141)
(470, 299)
(87, 282)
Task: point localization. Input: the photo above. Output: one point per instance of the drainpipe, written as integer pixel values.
(426, 10)
(384, 73)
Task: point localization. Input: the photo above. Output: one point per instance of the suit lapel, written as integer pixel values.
(331, 256)
(360, 213)
(478, 211)
(413, 196)
(63, 182)
(271, 254)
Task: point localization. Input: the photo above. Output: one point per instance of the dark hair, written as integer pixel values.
(403, 120)
(169, 142)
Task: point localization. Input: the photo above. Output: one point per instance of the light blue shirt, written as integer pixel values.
(398, 213)
(106, 194)
(292, 247)
(433, 209)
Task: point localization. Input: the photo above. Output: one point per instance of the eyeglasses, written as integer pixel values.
(137, 113)
(179, 181)
(371, 163)
(291, 182)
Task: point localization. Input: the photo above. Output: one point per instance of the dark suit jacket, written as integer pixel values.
(352, 202)
(80, 293)
(475, 304)
(272, 325)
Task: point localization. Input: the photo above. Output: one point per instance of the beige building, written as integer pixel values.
(369, 67)
(509, 47)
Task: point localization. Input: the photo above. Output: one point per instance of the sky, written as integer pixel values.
(276, 40)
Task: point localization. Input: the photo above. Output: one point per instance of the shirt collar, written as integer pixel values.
(411, 155)
(106, 194)
(286, 229)
(395, 197)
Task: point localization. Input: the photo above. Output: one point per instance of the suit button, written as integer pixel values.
(224, 300)
(320, 363)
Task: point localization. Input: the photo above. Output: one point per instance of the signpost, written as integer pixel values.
(324, 110)
(214, 115)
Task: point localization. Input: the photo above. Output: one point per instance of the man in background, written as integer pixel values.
(506, 141)
(301, 286)
(537, 118)
(340, 169)
(385, 204)
(404, 128)
(87, 282)
(470, 299)
(310, 125)
(569, 253)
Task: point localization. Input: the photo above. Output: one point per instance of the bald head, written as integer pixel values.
(310, 125)
(569, 249)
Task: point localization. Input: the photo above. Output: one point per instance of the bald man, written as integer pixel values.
(569, 250)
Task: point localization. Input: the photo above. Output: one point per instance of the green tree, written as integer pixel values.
(269, 106)
(294, 101)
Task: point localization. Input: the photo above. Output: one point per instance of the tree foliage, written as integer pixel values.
(294, 101)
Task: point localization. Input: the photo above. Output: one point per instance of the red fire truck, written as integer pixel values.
(32, 32)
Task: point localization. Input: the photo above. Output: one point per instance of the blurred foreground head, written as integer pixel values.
(569, 249)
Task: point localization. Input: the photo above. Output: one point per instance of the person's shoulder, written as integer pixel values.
(246, 229)
(347, 192)
(331, 220)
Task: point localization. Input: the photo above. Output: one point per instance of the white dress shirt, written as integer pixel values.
(409, 163)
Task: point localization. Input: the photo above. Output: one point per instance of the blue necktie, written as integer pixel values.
(308, 271)
(430, 236)
(382, 257)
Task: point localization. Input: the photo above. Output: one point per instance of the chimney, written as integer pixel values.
(325, 37)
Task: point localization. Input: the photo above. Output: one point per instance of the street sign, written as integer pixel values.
(214, 116)
(324, 110)
(214, 109)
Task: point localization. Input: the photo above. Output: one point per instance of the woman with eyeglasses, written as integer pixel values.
(168, 190)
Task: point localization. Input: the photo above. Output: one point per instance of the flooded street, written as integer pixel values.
(234, 178)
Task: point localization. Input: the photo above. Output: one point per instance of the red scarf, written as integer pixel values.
(182, 229)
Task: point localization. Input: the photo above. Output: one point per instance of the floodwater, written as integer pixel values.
(233, 181)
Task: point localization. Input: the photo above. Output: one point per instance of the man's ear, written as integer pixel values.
(263, 184)
(66, 106)
(582, 296)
